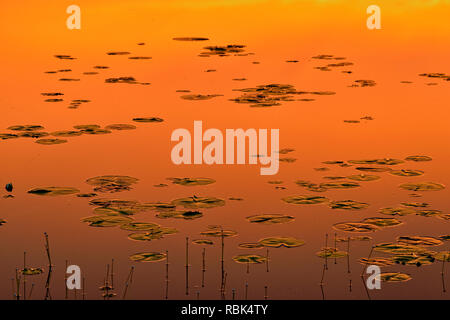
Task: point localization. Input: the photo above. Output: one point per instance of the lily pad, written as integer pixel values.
(423, 186)
(277, 242)
(27, 127)
(6, 136)
(406, 173)
(217, 232)
(51, 141)
(419, 241)
(148, 257)
(395, 277)
(339, 185)
(31, 271)
(428, 213)
(120, 126)
(148, 119)
(386, 161)
(195, 202)
(305, 199)
(398, 248)
(414, 259)
(270, 218)
(418, 158)
(111, 183)
(53, 191)
(363, 177)
(192, 181)
(381, 262)
(329, 252)
(355, 227)
(382, 222)
(106, 221)
(250, 245)
(415, 204)
(373, 169)
(348, 205)
(443, 256)
(140, 226)
(249, 258)
(396, 211)
(66, 133)
(203, 242)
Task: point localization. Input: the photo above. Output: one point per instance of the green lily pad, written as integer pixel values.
(148, 257)
(382, 222)
(396, 211)
(355, 227)
(203, 242)
(53, 191)
(418, 158)
(423, 186)
(269, 218)
(277, 242)
(111, 183)
(305, 199)
(406, 173)
(51, 141)
(329, 252)
(192, 181)
(363, 177)
(106, 221)
(419, 241)
(31, 271)
(395, 277)
(348, 205)
(195, 202)
(140, 226)
(249, 258)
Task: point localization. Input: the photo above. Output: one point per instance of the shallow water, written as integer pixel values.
(409, 119)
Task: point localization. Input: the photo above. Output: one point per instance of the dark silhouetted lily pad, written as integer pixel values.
(305, 199)
(203, 242)
(140, 226)
(50, 141)
(419, 241)
(192, 181)
(270, 218)
(363, 177)
(406, 173)
(148, 119)
(120, 126)
(348, 205)
(382, 222)
(195, 202)
(418, 158)
(277, 242)
(396, 211)
(423, 186)
(148, 257)
(111, 183)
(106, 221)
(53, 191)
(395, 277)
(329, 252)
(381, 262)
(355, 227)
(249, 258)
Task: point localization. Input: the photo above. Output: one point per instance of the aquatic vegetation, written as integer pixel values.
(407, 173)
(277, 242)
(329, 252)
(443, 256)
(27, 127)
(155, 234)
(66, 133)
(381, 262)
(148, 257)
(339, 185)
(106, 221)
(34, 135)
(117, 53)
(199, 96)
(2, 222)
(192, 181)
(249, 258)
(373, 169)
(396, 211)
(120, 126)
(385, 161)
(148, 119)
(355, 227)
(50, 141)
(53, 191)
(270, 218)
(6, 136)
(111, 183)
(186, 215)
(423, 186)
(395, 277)
(428, 213)
(140, 226)
(418, 158)
(398, 248)
(419, 241)
(217, 232)
(190, 39)
(31, 271)
(382, 222)
(203, 242)
(222, 50)
(363, 177)
(195, 202)
(348, 205)
(86, 195)
(250, 245)
(415, 204)
(64, 57)
(305, 199)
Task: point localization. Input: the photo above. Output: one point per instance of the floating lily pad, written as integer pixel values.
(217, 232)
(381, 262)
(148, 119)
(415, 204)
(106, 221)
(95, 131)
(190, 39)
(355, 227)
(348, 205)
(35, 135)
(419, 241)
(444, 216)
(87, 127)
(86, 195)
(203, 242)
(139, 226)
(53, 191)
(120, 126)
(423, 186)
(111, 183)
(396, 211)
(443, 256)
(6, 136)
(277, 242)
(444, 237)
(51, 141)
(187, 215)
(155, 234)
(270, 218)
(117, 53)
(363, 177)
(199, 96)
(428, 213)
(305, 199)
(373, 169)
(31, 271)
(418, 158)
(148, 257)
(386, 161)
(249, 258)
(195, 202)
(395, 277)
(329, 252)
(382, 222)
(417, 259)
(406, 173)
(66, 133)
(192, 181)
(339, 185)
(398, 248)
(28, 127)
(250, 245)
